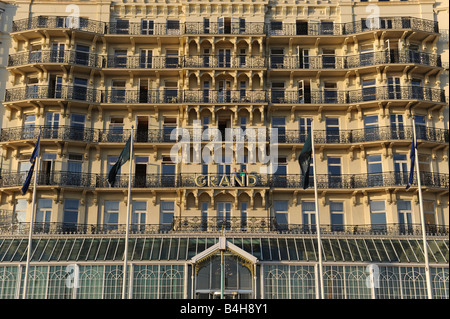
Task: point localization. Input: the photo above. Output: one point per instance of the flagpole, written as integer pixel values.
(422, 216)
(316, 204)
(127, 231)
(30, 234)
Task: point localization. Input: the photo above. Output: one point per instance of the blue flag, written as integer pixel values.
(33, 159)
(412, 156)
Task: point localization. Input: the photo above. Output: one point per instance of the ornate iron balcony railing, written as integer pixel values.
(274, 28)
(232, 224)
(218, 61)
(282, 62)
(375, 93)
(121, 135)
(274, 96)
(196, 180)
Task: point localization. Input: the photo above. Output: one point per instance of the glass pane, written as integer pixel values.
(390, 250)
(148, 243)
(119, 254)
(173, 253)
(292, 249)
(328, 255)
(418, 250)
(363, 250)
(274, 249)
(399, 250)
(265, 249)
(192, 251)
(408, 250)
(111, 249)
(372, 250)
(182, 249)
(37, 249)
(310, 250)
(165, 248)
(336, 249)
(354, 250)
(48, 250)
(347, 256)
(94, 249)
(156, 249)
(283, 249)
(256, 248)
(381, 250)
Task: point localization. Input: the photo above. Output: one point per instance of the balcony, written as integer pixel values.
(215, 224)
(54, 56)
(176, 28)
(91, 135)
(354, 61)
(225, 96)
(141, 62)
(382, 133)
(218, 61)
(334, 29)
(196, 180)
(44, 92)
(376, 93)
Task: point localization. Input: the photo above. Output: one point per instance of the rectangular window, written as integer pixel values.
(223, 215)
(334, 172)
(369, 90)
(82, 54)
(122, 26)
(332, 130)
(401, 169)
(147, 27)
(111, 215)
(304, 125)
(309, 216)
(276, 27)
(70, 218)
(374, 170)
(115, 133)
(337, 216)
(173, 27)
(244, 207)
(43, 215)
(281, 209)
(378, 215)
(20, 212)
(204, 216)
(166, 215)
(139, 216)
(404, 217)
(371, 131)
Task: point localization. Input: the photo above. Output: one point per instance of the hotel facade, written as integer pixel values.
(88, 75)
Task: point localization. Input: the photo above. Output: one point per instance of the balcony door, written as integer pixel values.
(374, 170)
(332, 130)
(57, 53)
(51, 125)
(77, 124)
(394, 88)
(401, 169)
(371, 129)
(223, 215)
(142, 129)
(397, 127)
(140, 171)
(146, 59)
(405, 217)
(366, 54)
(369, 90)
(334, 172)
(224, 92)
(48, 168)
(279, 123)
(224, 58)
(55, 86)
(167, 172)
(74, 170)
(328, 59)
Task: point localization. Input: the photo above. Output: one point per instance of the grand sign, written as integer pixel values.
(248, 180)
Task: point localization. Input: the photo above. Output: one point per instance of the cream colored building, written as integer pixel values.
(81, 74)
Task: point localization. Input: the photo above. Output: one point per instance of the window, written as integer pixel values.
(276, 58)
(82, 54)
(51, 125)
(369, 90)
(122, 26)
(334, 172)
(397, 127)
(401, 169)
(74, 169)
(309, 216)
(330, 92)
(70, 217)
(111, 215)
(366, 54)
(332, 129)
(170, 92)
(77, 122)
(327, 27)
(277, 92)
(394, 89)
(378, 215)
(139, 216)
(304, 125)
(337, 216)
(20, 212)
(167, 213)
(204, 216)
(421, 127)
(281, 209)
(118, 93)
(146, 59)
(43, 215)
(120, 59)
(276, 27)
(328, 59)
(28, 126)
(244, 207)
(80, 89)
(223, 215)
(279, 123)
(374, 170)
(417, 89)
(404, 216)
(57, 53)
(371, 131)
(171, 59)
(115, 130)
(429, 213)
(168, 176)
(173, 27)
(147, 27)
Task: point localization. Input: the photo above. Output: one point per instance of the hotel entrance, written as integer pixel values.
(224, 271)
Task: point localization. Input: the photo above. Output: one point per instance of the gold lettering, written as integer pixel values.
(224, 181)
(253, 180)
(200, 181)
(212, 181)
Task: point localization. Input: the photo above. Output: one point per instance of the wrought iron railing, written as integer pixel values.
(60, 92)
(354, 61)
(376, 93)
(121, 135)
(231, 224)
(274, 28)
(219, 61)
(197, 180)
